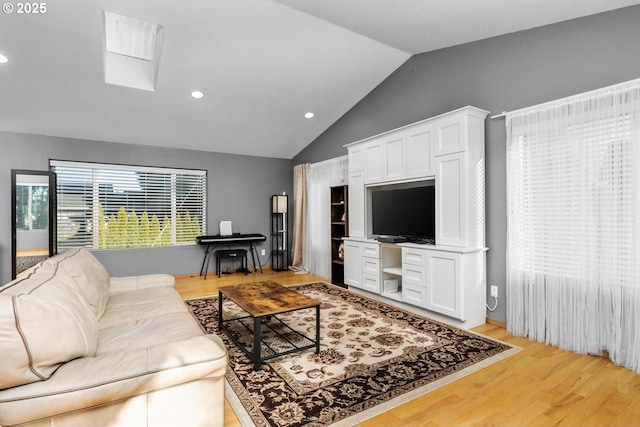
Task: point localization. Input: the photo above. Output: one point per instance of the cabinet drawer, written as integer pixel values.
(415, 295)
(371, 266)
(371, 250)
(414, 275)
(371, 283)
(414, 256)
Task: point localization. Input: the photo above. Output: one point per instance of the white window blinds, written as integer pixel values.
(113, 206)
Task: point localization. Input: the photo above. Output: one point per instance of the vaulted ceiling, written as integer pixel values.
(261, 65)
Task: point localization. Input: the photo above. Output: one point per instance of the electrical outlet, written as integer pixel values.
(494, 291)
(264, 252)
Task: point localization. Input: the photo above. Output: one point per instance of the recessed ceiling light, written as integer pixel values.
(197, 94)
(308, 115)
(3, 59)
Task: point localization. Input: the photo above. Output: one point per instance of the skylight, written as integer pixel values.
(131, 51)
(130, 36)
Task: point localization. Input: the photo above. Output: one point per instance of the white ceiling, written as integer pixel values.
(262, 65)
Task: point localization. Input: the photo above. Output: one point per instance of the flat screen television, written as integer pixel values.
(404, 211)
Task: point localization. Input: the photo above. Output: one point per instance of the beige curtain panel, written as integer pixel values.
(300, 192)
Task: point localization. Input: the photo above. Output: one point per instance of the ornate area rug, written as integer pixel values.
(27, 261)
(373, 356)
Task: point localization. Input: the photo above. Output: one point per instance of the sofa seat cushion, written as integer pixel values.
(43, 322)
(128, 307)
(145, 317)
(147, 332)
(91, 382)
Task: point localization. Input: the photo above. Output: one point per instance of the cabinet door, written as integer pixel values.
(420, 142)
(356, 204)
(394, 157)
(353, 264)
(452, 135)
(373, 161)
(444, 291)
(356, 158)
(451, 209)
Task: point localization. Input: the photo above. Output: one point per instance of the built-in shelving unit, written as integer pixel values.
(339, 229)
(279, 240)
(447, 279)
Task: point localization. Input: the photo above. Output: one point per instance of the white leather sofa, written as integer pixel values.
(80, 348)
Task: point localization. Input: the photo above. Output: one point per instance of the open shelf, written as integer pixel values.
(397, 271)
(391, 264)
(279, 239)
(339, 230)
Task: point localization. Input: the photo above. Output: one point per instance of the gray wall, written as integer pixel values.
(498, 74)
(238, 189)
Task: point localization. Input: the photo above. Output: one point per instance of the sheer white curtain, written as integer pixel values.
(573, 196)
(322, 176)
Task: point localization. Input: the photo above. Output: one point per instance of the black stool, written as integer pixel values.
(232, 254)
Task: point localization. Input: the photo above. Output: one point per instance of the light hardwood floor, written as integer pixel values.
(540, 386)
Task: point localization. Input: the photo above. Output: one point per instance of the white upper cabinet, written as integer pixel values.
(356, 158)
(451, 200)
(373, 161)
(451, 135)
(460, 181)
(420, 151)
(394, 157)
(385, 158)
(448, 148)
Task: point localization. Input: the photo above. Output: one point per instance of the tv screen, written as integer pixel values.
(406, 212)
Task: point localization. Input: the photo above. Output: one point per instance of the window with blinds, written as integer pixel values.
(106, 206)
(573, 198)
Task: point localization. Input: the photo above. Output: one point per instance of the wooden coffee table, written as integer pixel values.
(263, 301)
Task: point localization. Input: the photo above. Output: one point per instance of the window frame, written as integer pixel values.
(95, 183)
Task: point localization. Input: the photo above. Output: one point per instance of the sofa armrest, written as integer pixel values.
(92, 381)
(133, 283)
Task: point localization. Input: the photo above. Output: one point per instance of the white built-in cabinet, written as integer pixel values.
(364, 270)
(353, 268)
(449, 277)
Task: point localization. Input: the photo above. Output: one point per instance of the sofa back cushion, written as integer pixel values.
(90, 276)
(44, 322)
